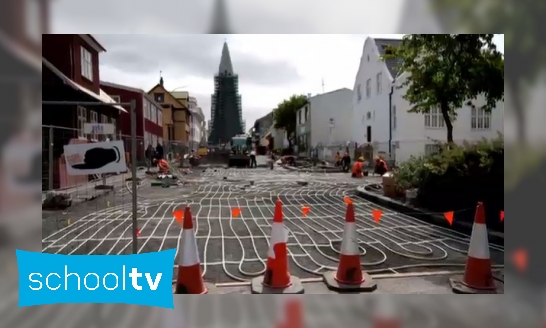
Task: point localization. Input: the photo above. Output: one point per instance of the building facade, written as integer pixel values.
(381, 122)
(325, 122)
(226, 111)
(71, 74)
(149, 115)
(176, 116)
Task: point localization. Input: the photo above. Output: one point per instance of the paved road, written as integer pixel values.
(235, 249)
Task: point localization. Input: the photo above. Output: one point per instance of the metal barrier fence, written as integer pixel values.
(54, 176)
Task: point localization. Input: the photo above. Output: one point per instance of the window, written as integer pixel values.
(82, 119)
(359, 92)
(481, 120)
(368, 57)
(154, 140)
(394, 117)
(114, 123)
(300, 118)
(431, 149)
(103, 118)
(94, 119)
(159, 97)
(87, 64)
(116, 99)
(434, 119)
(379, 86)
(33, 20)
(159, 117)
(368, 88)
(369, 133)
(154, 113)
(369, 115)
(306, 113)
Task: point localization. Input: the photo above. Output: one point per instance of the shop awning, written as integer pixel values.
(102, 97)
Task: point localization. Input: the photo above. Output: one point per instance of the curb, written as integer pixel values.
(295, 169)
(439, 220)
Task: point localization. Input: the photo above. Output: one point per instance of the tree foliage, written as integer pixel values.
(447, 71)
(522, 28)
(285, 115)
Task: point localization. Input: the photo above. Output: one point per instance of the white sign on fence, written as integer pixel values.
(98, 128)
(95, 158)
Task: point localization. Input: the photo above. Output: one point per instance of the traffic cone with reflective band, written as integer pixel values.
(277, 279)
(349, 275)
(190, 277)
(478, 275)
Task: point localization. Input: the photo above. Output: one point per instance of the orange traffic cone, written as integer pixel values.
(349, 275)
(277, 279)
(292, 315)
(478, 276)
(190, 277)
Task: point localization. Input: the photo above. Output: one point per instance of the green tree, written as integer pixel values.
(446, 71)
(285, 116)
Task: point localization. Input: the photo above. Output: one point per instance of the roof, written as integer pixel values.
(392, 64)
(128, 88)
(327, 93)
(102, 97)
(180, 94)
(178, 101)
(93, 42)
(225, 61)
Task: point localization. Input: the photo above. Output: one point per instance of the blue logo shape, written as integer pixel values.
(141, 279)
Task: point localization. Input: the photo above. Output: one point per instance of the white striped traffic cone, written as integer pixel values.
(349, 275)
(277, 279)
(190, 277)
(478, 275)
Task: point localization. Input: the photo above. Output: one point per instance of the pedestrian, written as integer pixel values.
(346, 162)
(253, 162)
(159, 151)
(149, 155)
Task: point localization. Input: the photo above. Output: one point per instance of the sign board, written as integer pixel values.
(98, 128)
(95, 158)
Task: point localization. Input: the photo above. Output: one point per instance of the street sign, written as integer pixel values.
(95, 158)
(98, 128)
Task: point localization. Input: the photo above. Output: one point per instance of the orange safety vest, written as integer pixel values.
(357, 168)
(163, 164)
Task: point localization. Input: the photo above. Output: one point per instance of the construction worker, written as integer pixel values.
(338, 159)
(162, 165)
(358, 168)
(380, 166)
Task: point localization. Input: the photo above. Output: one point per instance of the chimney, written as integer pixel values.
(161, 81)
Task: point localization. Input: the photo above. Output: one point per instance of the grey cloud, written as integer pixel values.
(194, 55)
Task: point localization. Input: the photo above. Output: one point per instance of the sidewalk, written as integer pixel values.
(435, 218)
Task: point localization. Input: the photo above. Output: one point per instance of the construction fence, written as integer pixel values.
(54, 138)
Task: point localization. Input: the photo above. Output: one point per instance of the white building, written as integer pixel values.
(198, 119)
(382, 124)
(325, 122)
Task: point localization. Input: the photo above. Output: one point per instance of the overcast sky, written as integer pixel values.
(271, 67)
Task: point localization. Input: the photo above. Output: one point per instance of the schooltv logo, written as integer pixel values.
(143, 279)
